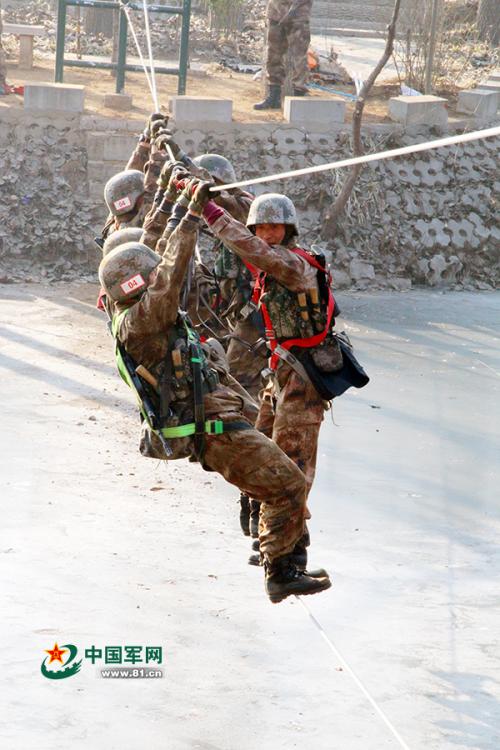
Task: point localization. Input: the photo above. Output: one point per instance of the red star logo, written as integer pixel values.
(56, 653)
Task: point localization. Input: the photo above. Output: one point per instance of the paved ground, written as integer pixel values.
(358, 55)
(102, 547)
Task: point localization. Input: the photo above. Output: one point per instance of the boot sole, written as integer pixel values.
(276, 598)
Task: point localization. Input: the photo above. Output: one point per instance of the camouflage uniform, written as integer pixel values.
(244, 458)
(293, 34)
(291, 411)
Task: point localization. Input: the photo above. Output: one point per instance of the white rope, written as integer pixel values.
(151, 61)
(356, 679)
(137, 46)
(390, 154)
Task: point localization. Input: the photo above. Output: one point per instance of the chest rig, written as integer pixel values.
(293, 319)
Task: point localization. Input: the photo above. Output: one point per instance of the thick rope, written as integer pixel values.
(151, 61)
(356, 679)
(137, 46)
(390, 154)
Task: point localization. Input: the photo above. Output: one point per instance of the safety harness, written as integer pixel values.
(203, 379)
(281, 349)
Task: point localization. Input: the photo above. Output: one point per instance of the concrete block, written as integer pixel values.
(489, 85)
(201, 109)
(64, 97)
(119, 147)
(481, 104)
(495, 76)
(419, 110)
(118, 101)
(313, 110)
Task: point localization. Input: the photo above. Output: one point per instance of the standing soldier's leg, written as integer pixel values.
(299, 38)
(276, 48)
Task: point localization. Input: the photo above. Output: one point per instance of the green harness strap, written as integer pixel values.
(208, 427)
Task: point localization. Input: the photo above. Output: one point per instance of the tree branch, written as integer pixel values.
(338, 207)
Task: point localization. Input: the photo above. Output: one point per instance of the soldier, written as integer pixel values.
(124, 196)
(200, 417)
(288, 27)
(298, 315)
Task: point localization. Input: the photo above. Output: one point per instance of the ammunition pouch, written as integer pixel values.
(329, 385)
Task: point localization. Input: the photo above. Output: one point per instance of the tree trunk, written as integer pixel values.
(488, 21)
(338, 207)
(99, 21)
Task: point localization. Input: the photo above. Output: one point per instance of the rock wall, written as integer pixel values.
(428, 219)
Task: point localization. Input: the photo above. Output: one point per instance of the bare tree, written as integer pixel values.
(338, 207)
(488, 21)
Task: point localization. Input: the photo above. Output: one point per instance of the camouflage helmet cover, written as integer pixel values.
(125, 270)
(218, 166)
(120, 237)
(123, 190)
(272, 208)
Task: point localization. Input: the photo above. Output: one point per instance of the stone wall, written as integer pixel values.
(428, 219)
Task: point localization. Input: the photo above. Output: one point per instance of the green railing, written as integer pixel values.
(121, 64)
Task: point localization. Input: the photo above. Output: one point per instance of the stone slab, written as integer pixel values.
(419, 110)
(201, 109)
(489, 85)
(479, 103)
(64, 97)
(310, 110)
(495, 76)
(20, 29)
(118, 101)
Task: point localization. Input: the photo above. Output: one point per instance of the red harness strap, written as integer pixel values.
(259, 289)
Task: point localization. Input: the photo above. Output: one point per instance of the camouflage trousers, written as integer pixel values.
(258, 467)
(295, 36)
(291, 412)
(246, 365)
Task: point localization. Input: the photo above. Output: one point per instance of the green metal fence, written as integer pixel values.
(121, 64)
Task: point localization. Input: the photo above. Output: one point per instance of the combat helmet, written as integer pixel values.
(120, 237)
(123, 190)
(273, 208)
(218, 166)
(124, 272)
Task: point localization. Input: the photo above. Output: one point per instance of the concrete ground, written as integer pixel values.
(100, 546)
(358, 55)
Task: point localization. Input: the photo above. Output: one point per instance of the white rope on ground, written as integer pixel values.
(137, 46)
(356, 679)
(151, 61)
(390, 154)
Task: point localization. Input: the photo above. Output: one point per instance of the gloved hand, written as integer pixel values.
(177, 173)
(166, 173)
(156, 117)
(200, 195)
(166, 139)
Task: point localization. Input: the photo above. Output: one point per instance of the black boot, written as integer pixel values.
(298, 557)
(284, 579)
(245, 514)
(272, 100)
(254, 519)
(299, 92)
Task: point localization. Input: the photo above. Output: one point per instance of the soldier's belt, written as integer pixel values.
(212, 427)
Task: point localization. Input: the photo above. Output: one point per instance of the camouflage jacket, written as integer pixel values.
(145, 330)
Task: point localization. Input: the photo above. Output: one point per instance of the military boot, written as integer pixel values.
(254, 519)
(298, 557)
(272, 100)
(284, 579)
(299, 92)
(245, 514)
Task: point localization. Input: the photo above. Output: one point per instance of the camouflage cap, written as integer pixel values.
(218, 166)
(273, 208)
(123, 190)
(125, 270)
(120, 237)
